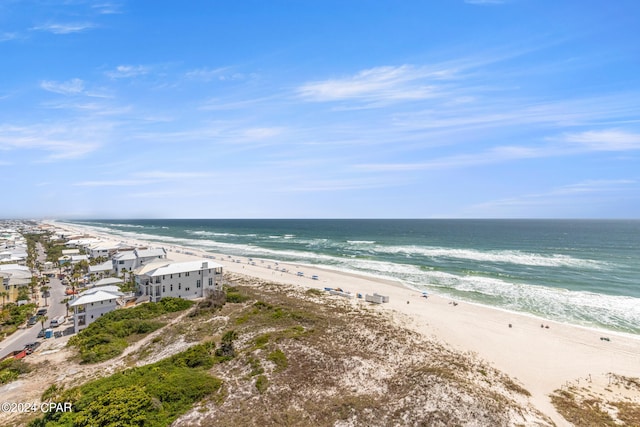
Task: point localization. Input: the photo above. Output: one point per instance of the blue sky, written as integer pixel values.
(313, 109)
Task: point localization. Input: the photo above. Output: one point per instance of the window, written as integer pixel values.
(171, 287)
(198, 284)
(186, 274)
(210, 281)
(120, 262)
(163, 289)
(179, 274)
(179, 286)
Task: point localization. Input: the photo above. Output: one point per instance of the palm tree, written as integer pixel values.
(66, 302)
(45, 293)
(32, 285)
(42, 319)
(4, 294)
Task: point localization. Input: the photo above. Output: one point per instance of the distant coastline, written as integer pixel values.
(580, 272)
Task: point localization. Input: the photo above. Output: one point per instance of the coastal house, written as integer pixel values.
(144, 256)
(189, 280)
(124, 260)
(92, 304)
(13, 277)
(79, 258)
(130, 260)
(101, 269)
(102, 249)
(81, 242)
(17, 254)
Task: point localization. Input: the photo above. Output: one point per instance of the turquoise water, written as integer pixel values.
(578, 271)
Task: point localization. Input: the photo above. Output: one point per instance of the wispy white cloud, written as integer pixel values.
(217, 104)
(566, 195)
(222, 74)
(127, 71)
(388, 83)
(146, 178)
(338, 184)
(166, 175)
(568, 144)
(207, 74)
(70, 87)
(112, 183)
(107, 8)
(8, 36)
(219, 132)
(62, 141)
(605, 140)
(95, 109)
(68, 28)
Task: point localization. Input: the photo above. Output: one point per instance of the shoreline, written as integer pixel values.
(541, 359)
(219, 256)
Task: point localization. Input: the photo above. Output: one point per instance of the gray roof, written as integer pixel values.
(105, 266)
(98, 296)
(183, 267)
(107, 281)
(146, 253)
(124, 255)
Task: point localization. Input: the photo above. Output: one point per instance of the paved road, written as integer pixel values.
(28, 334)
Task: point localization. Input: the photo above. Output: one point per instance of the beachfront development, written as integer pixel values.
(374, 351)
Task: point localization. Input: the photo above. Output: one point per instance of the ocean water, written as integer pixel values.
(584, 272)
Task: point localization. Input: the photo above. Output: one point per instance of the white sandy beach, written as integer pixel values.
(541, 359)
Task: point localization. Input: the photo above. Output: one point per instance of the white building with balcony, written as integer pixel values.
(92, 304)
(188, 280)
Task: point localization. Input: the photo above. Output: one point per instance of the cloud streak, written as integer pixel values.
(63, 141)
(611, 140)
(566, 195)
(66, 28)
(70, 87)
(127, 71)
(388, 83)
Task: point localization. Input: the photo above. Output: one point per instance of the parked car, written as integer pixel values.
(31, 347)
(41, 333)
(41, 312)
(32, 320)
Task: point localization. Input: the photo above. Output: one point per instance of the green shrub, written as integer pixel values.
(107, 337)
(198, 356)
(51, 393)
(262, 340)
(118, 407)
(262, 383)
(279, 359)
(153, 395)
(256, 367)
(10, 370)
(233, 295)
(226, 351)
